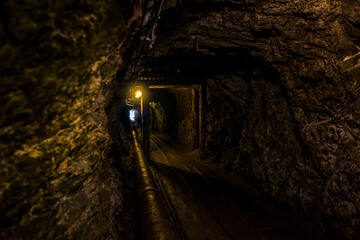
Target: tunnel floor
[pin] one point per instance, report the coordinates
(205, 204)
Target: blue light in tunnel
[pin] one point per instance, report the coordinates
(132, 115)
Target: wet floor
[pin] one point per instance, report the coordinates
(205, 204)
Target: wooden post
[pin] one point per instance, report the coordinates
(202, 120)
(195, 111)
(142, 118)
(146, 120)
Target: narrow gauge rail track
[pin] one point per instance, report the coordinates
(228, 214)
(159, 145)
(169, 204)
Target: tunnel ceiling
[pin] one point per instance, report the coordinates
(193, 67)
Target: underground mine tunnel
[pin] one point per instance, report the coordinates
(179, 119)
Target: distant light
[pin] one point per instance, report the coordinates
(132, 115)
(138, 94)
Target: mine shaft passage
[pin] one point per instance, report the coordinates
(195, 119)
(202, 202)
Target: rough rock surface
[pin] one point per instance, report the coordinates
(171, 114)
(164, 112)
(299, 139)
(184, 116)
(158, 117)
(58, 178)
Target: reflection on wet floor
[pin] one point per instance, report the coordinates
(205, 204)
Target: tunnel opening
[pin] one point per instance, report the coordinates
(163, 108)
(211, 97)
(196, 81)
(133, 115)
(174, 112)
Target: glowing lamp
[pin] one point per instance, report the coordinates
(138, 94)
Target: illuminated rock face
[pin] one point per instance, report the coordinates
(297, 137)
(57, 176)
(158, 117)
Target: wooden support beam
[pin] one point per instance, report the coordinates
(195, 111)
(167, 81)
(145, 120)
(173, 86)
(202, 120)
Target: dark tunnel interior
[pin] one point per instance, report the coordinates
(164, 112)
(180, 120)
(175, 108)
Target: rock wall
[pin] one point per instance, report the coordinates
(158, 117)
(171, 114)
(164, 110)
(299, 141)
(228, 102)
(58, 175)
(185, 116)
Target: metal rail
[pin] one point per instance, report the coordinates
(158, 142)
(169, 205)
